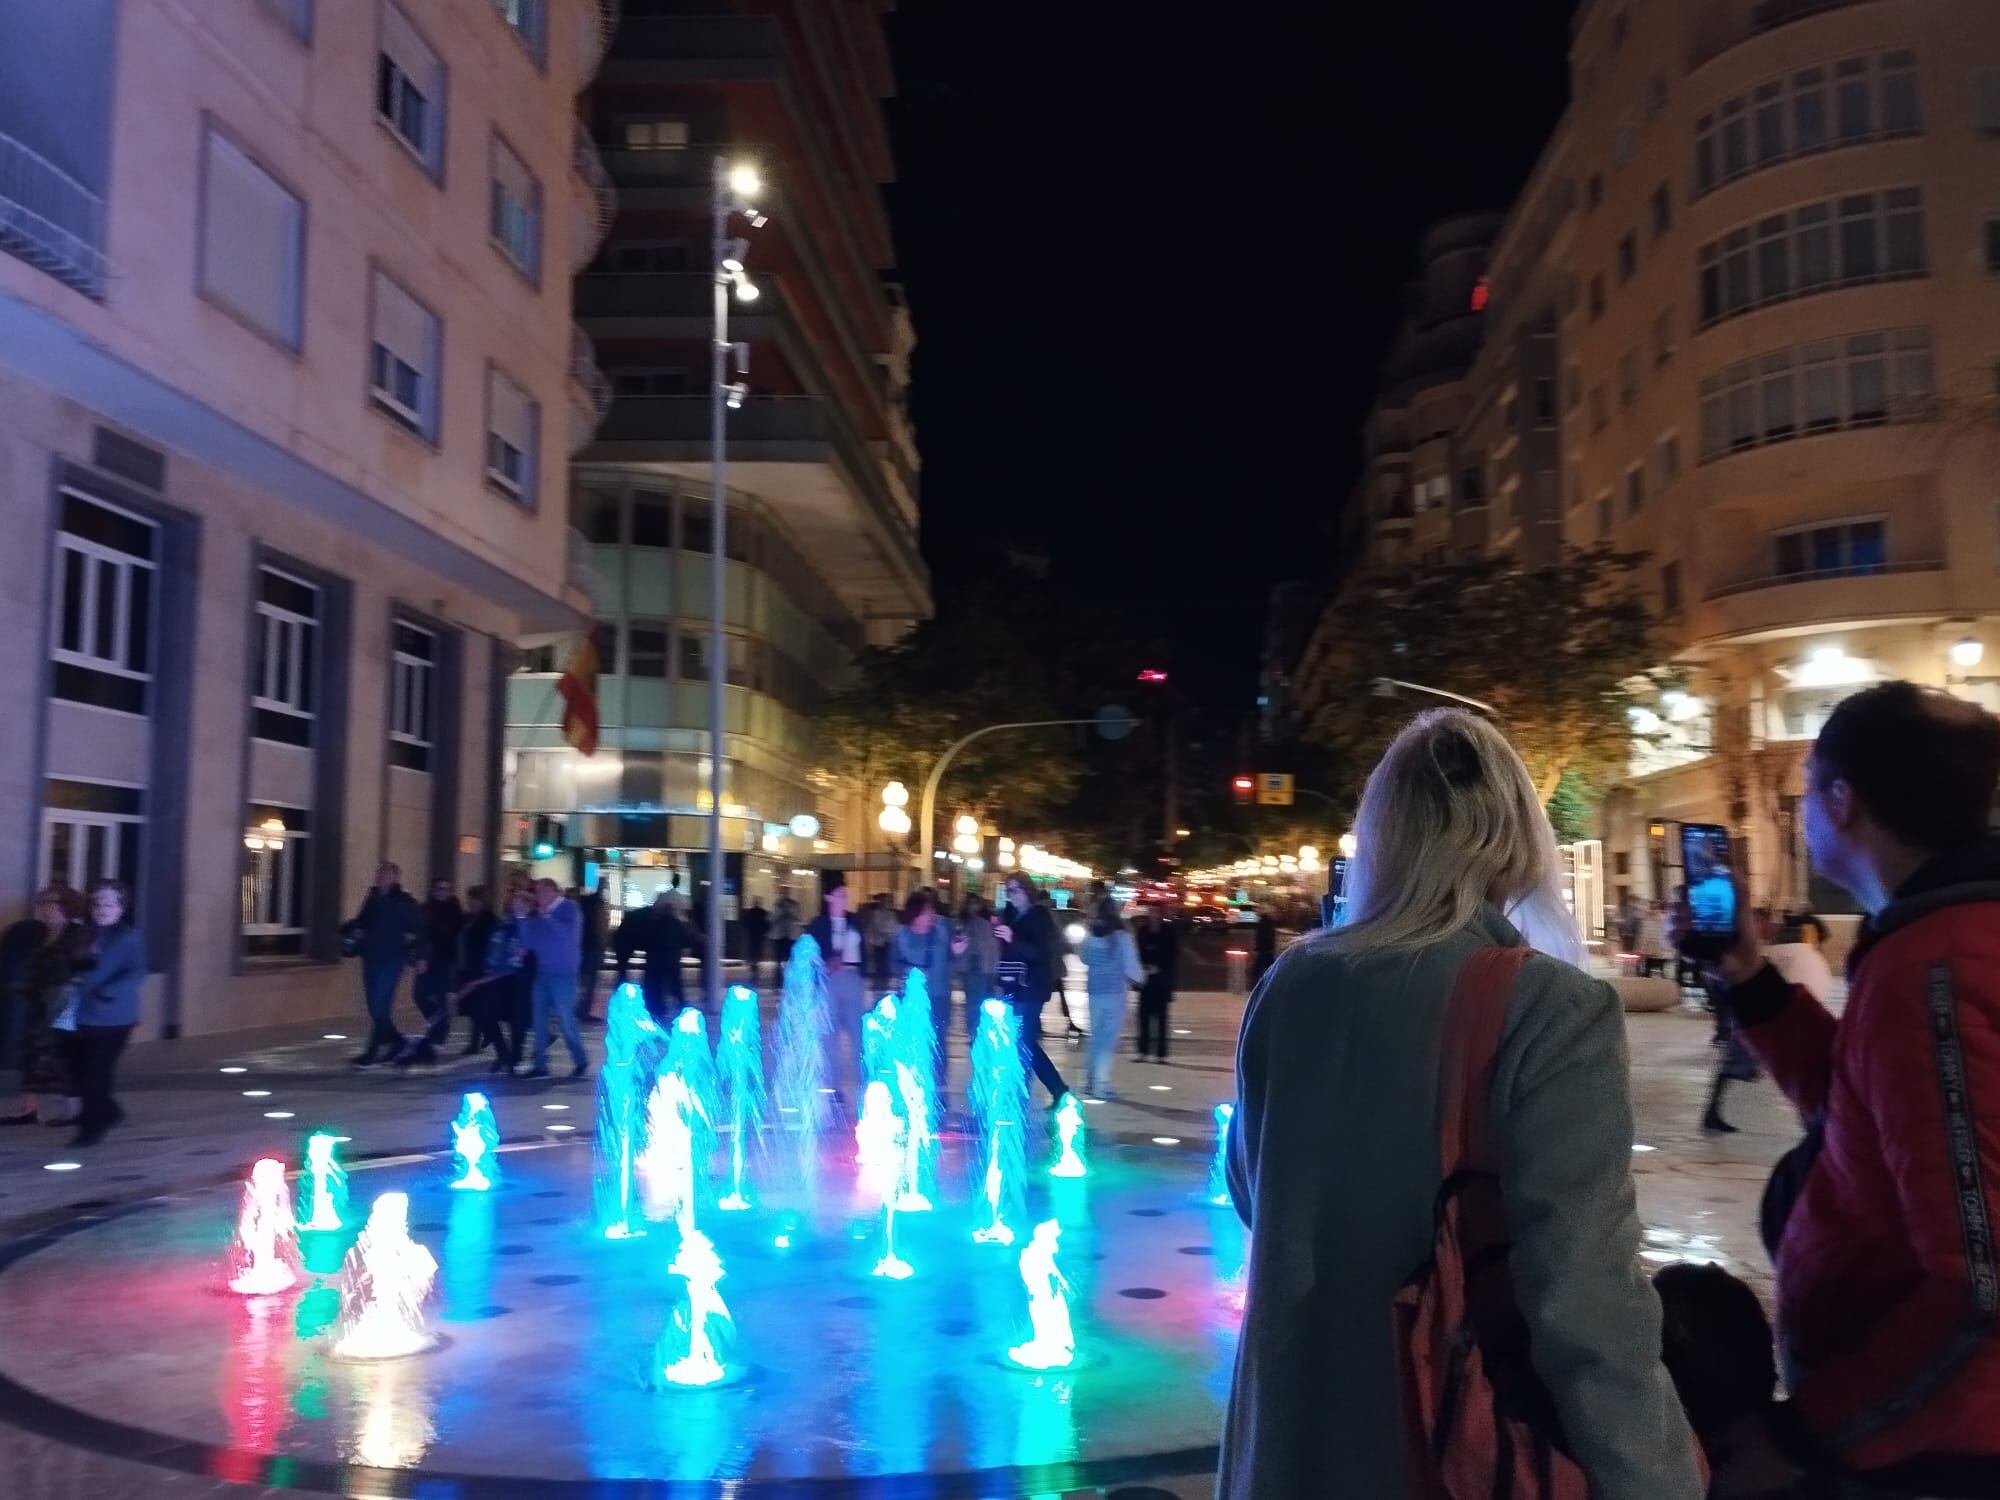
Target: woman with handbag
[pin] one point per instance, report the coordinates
(38, 986)
(1416, 1090)
(107, 1008)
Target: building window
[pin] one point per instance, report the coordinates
(652, 522)
(276, 841)
(1545, 401)
(252, 247)
(1848, 241)
(104, 601)
(404, 357)
(528, 20)
(1593, 190)
(412, 696)
(1656, 96)
(1573, 387)
(656, 135)
(1628, 377)
(1670, 588)
(1471, 485)
(1663, 337)
(1860, 381)
(535, 661)
(1635, 490)
(513, 422)
(1603, 517)
(284, 681)
(671, 381)
(646, 647)
(696, 532)
(1986, 100)
(1628, 257)
(1596, 297)
(1848, 549)
(694, 656)
(296, 16)
(409, 88)
(604, 640)
(1624, 142)
(1667, 461)
(1600, 409)
(1858, 100)
(515, 211)
(1662, 210)
(90, 832)
(1993, 245)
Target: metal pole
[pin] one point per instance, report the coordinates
(718, 520)
(1418, 687)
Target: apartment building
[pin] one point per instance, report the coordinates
(288, 386)
(821, 520)
(1761, 258)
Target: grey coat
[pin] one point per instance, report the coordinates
(1333, 1165)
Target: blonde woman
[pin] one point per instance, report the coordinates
(1334, 1150)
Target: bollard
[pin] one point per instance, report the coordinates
(1239, 970)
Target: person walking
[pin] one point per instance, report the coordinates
(1111, 969)
(1029, 971)
(38, 986)
(436, 973)
(978, 962)
(552, 934)
(106, 1004)
(840, 949)
(927, 945)
(384, 935)
(1264, 945)
(784, 926)
(1881, 1222)
(595, 927)
(1160, 957)
(878, 931)
(496, 996)
(754, 923)
(665, 938)
(469, 964)
(1346, 1066)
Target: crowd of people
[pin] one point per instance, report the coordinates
(70, 974)
(1432, 1146)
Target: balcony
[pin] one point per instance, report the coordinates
(598, 20)
(768, 429)
(580, 575)
(684, 47)
(589, 391)
(596, 198)
(669, 296)
(50, 220)
(1780, 604)
(1729, 24)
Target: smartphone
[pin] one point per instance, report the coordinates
(1710, 871)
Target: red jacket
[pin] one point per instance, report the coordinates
(1888, 1289)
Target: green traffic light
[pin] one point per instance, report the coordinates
(545, 851)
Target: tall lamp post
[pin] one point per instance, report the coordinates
(736, 188)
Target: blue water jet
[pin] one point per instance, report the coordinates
(475, 1142)
(322, 1185)
(1218, 1166)
(739, 1058)
(1000, 1104)
(804, 1024)
(633, 1045)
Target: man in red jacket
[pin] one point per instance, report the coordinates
(1882, 1225)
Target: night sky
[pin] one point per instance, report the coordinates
(1156, 252)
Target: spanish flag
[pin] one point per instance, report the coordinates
(578, 687)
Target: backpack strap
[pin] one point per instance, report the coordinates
(1472, 1027)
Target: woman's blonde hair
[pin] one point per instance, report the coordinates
(1450, 823)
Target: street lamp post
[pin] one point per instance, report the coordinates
(927, 850)
(736, 185)
(1386, 687)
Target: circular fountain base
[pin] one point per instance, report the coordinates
(545, 1382)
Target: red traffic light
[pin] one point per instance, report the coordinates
(1152, 674)
(1243, 787)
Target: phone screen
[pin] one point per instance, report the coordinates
(1711, 888)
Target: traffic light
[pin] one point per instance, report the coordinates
(548, 839)
(1244, 788)
(545, 850)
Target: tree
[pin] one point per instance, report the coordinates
(1549, 648)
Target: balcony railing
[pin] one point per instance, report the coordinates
(701, 46)
(603, 199)
(581, 576)
(1728, 24)
(1859, 570)
(590, 394)
(599, 20)
(51, 220)
(668, 294)
(683, 419)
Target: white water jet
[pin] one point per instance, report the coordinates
(879, 1138)
(384, 1283)
(267, 1240)
(1052, 1341)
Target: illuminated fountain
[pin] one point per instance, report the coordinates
(919, 1140)
(739, 1058)
(693, 1342)
(323, 1186)
(475, 1142)
(676, 1129)
(1000, 1103)
(1218, 1166)
(804, 1024)
(880, 1137)
(878, 1042)
(917, 1035)
(633, 1043)
(688, 1054)
(1052, 1342)
(384, 1283)
(1069, 1139)
(267, 1240)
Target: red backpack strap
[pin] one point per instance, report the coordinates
(1472, 1030)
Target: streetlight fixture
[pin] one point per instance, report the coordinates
(1348, 844)
(894, 818)
(1967, 651)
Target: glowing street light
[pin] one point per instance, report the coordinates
(1967, 651)
(1348, 844)
(744, 180)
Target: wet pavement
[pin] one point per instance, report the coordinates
(193, 1128)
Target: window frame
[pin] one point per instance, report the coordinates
(96, 557)
(413, 721)
(113, 826)
(302, 637)
(429, 153)
(535, 214)
(294, 869)
(524, 492)
(425, 420)
(293, 341)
